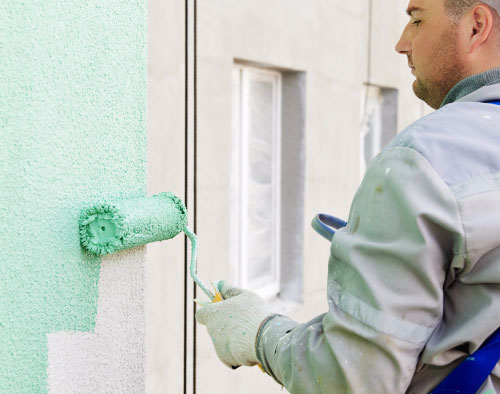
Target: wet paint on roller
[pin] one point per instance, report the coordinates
(73, 130)
(110, 227)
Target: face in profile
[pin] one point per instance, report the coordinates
(431, 41)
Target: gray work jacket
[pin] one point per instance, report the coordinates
(414, 278)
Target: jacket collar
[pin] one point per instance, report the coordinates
(480, 87)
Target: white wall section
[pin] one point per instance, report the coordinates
(111, 359)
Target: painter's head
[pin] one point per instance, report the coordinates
(448, 40)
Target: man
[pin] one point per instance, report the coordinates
(414, 278)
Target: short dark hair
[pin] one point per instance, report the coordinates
(457, 8)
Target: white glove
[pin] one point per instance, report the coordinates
(233, 324)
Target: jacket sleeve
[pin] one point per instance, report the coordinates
(385, 286)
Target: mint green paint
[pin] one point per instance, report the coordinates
(73, 130)
(112, 226)
(193, 268)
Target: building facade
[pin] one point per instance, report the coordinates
(293, 98)
(97, 102)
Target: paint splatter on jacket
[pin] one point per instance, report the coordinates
(414, 278)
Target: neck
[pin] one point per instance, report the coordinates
(471, 84)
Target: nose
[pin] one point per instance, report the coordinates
(404, 44)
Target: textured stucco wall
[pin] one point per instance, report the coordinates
(73, 130)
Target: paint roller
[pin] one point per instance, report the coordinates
(110, 227)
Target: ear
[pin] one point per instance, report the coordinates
(480, 22)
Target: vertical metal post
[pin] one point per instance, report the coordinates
(195, 164)
(186, 156)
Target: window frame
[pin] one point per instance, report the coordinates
(372, 112)
(379, 105)
(241, 168)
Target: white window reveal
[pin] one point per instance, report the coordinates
(379, 121)
(256, 178)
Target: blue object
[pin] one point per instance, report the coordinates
(494, 102)
(471, 373)
(326, 225)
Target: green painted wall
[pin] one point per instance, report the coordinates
(73, 130)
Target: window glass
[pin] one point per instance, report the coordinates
(256, 185)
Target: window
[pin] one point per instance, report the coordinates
(379, 121)
(256, 191)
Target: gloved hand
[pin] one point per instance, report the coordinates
(233, 324)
